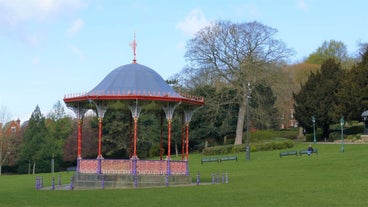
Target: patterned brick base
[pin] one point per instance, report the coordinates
(142, 167)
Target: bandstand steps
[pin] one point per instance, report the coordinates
(95, 181)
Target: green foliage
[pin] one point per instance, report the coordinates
(154, 151)
(354, 130)
(281, 143)
(260, 135)
(329, 50)
(353, 137)
(276, 144)
(335, 135)
(264, 114)
(319, 136)
(37, 145)
(317, 97)
(117, 129)
(352, 95)
(217, 118)
(44, 140)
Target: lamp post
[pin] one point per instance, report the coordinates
(342, 122)
(314, 129)
(247, 150)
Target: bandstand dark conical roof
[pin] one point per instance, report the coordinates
(134, 78)
(133, 82)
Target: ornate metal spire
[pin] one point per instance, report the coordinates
(134, 47)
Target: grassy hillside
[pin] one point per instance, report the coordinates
(331, 178)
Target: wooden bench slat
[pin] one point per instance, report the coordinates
(286, 153)
(209, 159)
(226, 158)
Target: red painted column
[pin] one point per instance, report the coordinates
(187, 139)
(99, 137)
(79, 141)
(135, 136)
(162, 151)
(168, 138)
(182, 143)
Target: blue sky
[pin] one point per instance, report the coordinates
(49, 48)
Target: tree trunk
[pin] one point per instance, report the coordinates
(1, 153)
(1, 161)
(240, 123)
(300, 133)
(176, 150)
(326, 131)
(34, 168)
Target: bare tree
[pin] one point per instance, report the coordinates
(238, 53)
(4, 142)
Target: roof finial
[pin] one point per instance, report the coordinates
(134, 47)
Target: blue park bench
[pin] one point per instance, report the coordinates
(226, 158)
(287, 153)
(209, 159)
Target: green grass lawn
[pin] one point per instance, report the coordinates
(331, 178)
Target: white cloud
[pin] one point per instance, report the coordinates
(193, 22)
(76, 51)
(16, 11)
(31, 39)
(36, 60)
(17, 15)
(303, 5)
(76, 27)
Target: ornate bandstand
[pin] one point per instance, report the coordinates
(132, 87)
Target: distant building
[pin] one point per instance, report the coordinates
(11, 128)
(287, 118)
(10, 138)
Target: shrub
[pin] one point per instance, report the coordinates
(276, 144)
(353, 137)
(357, 129)
(336, 135)
(154, 150)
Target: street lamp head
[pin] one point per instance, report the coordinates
(313, 119)
(342, 121)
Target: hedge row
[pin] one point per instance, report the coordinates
(277, 144)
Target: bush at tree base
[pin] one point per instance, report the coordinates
(276, 144)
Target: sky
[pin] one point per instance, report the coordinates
(51, 48)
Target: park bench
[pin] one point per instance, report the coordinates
(291, 152)
(226, 158)
(209, 159)
(72, 168)
(306, 151)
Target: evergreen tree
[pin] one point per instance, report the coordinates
(352, 98)
(264, 114)
(59, 127)
(317, 97)
(117, 128)
(216, 120)
(37, 147)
